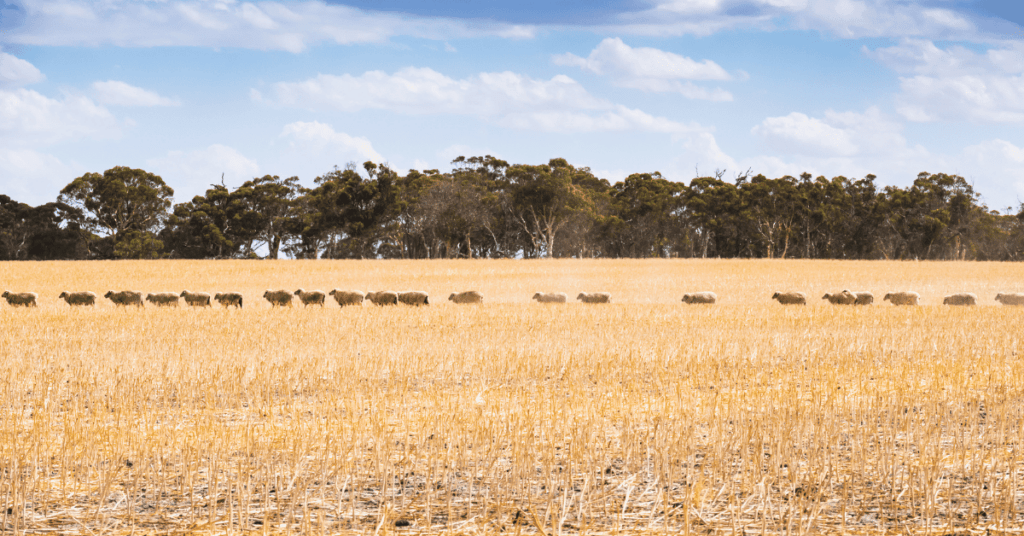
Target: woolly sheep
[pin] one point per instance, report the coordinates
(348, 297)
(227, 299)
(311, 297)
(550, 297)
(470, 296)
(863, 298)
(414, 297)
(594, 297)
(278, 298)
(1010, 298)
(700, 297)
(962, 298)
(27, 299)
(840, 298)
(196, 299)
(383, 297)
(125, 298)
(163, 299)
(902, 298)
(78, 298)
(790, 298)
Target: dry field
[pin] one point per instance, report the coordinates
(645, 415)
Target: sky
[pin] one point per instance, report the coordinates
(201, 91)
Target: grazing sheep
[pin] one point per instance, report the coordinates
(550, 297)
(790, 298)
(163, 299)
(700, 297)
(18, 299)
(594, 297)
(348, 297)
(470, 296)
(414, 297)
(863, 298)
(78, 298)
(278, 298)
(125, 298)
(1010, 298)
(196, 299)
(311, 297)
(962, 298)
(227, 299)
(383, 297)
(902, 298)
(840, 298)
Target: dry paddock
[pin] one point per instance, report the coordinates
(644, 415)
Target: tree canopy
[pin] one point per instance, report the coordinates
(486, 207)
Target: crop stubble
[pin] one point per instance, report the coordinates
(641, 415)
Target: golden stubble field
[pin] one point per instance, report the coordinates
(645, 415)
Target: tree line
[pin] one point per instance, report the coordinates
(485, 207)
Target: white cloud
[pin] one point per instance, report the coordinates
(267, 25)
(557, 105)
(956, 83)
(28, 117)
(650, 69)
(318, 137)
(32, 177)
(838, 134)
(849, 19)
(192, 172)
(119, 93)
(15, 72)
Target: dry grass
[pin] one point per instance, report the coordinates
(643, 415)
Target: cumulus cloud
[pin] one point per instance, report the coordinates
(119, 93)
(517, 101)
(998, 165)
(957, 83)
(318, 137)
(837, 134)
(191, 172)
(16, 72)
(650, 69)
(848, 19)
(28, 117)
(267, 25)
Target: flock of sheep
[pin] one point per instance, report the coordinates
(280, 298)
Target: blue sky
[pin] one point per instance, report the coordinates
(195, 89)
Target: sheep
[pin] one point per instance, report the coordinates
(125, 298)
(78, 298)
(163, 299)
(414, 297)
(383, 297)
(26, 299)
(470, 296)
(594, 297)
(227, 299)
(196, 299)
(962, 298)
(863, 298)
(311, 297)
(700, 297)
(550, 297)
(902, 298)
(790, 298)
(1010, 298)
(840, 298)
(348, 297)
(278, 298)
